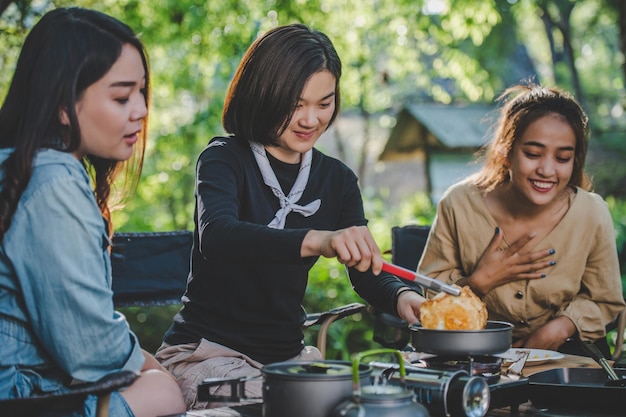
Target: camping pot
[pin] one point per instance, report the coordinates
(496, 337)
(295, 388)
(307, 389)
(379, 400)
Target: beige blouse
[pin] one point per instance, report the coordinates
(584, 285)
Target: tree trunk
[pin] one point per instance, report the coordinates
(548, 25)
(562, 23)
(621, 24)
(362, 163)
(565, 28)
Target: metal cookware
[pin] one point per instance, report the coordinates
(581, 389)
(380, 400)
(496, 337)
(296, 388)
(592, 350)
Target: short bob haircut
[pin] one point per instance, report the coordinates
(523, 104)
(68, 50)
(269, 81)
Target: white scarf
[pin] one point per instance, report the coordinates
(287, 203)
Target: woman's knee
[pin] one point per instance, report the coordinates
(154, 393)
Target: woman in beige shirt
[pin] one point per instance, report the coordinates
(526, 233)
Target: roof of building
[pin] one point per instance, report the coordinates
(438, 126)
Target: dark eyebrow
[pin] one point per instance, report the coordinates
(323, 98)
(124, 84)
(127, 83)
(541, 145)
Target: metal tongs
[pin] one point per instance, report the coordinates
(592, 350)
(428, 282)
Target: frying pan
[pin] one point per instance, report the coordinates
(591, 349)
(580, 389)
(496, 337)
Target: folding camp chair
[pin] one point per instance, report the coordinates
(152, 269)
(407, 245)
(67, 402)
(149, 269)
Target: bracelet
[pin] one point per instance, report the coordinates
(397, 297)
(403, 290)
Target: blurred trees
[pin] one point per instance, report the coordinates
(393, 51)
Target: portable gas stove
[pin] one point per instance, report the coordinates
(488, 367)
(459, 386)
(506, 389)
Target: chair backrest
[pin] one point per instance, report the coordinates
(407, 244)
(150, 268)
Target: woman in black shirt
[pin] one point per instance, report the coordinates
(253, 243)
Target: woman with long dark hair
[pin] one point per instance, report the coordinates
(74, 117)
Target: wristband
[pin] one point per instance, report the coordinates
(403, 290)
(397, 297)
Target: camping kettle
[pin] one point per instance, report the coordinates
(379, 400)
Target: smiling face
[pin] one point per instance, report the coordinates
(310, 119)
(542, 159)
(110, 111)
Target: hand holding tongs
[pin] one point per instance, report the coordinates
(428, 282)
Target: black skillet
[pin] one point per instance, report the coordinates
(613, 380)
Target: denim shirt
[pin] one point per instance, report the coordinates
(57, 320)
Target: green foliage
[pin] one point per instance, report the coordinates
(618, 212)
(150, 323)
(329, 285)
(393, 51)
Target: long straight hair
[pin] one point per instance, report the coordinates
(68, 50)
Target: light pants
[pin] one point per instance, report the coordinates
(191, 363)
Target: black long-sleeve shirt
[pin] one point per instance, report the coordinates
(247, 281)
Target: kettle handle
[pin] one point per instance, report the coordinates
(356, 361)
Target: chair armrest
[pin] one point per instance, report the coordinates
(326, 318)
(66, 399)
(619, 340)
(390, 331)
(336, 314)
(108, 383)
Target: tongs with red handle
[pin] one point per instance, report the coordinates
(428, 282)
